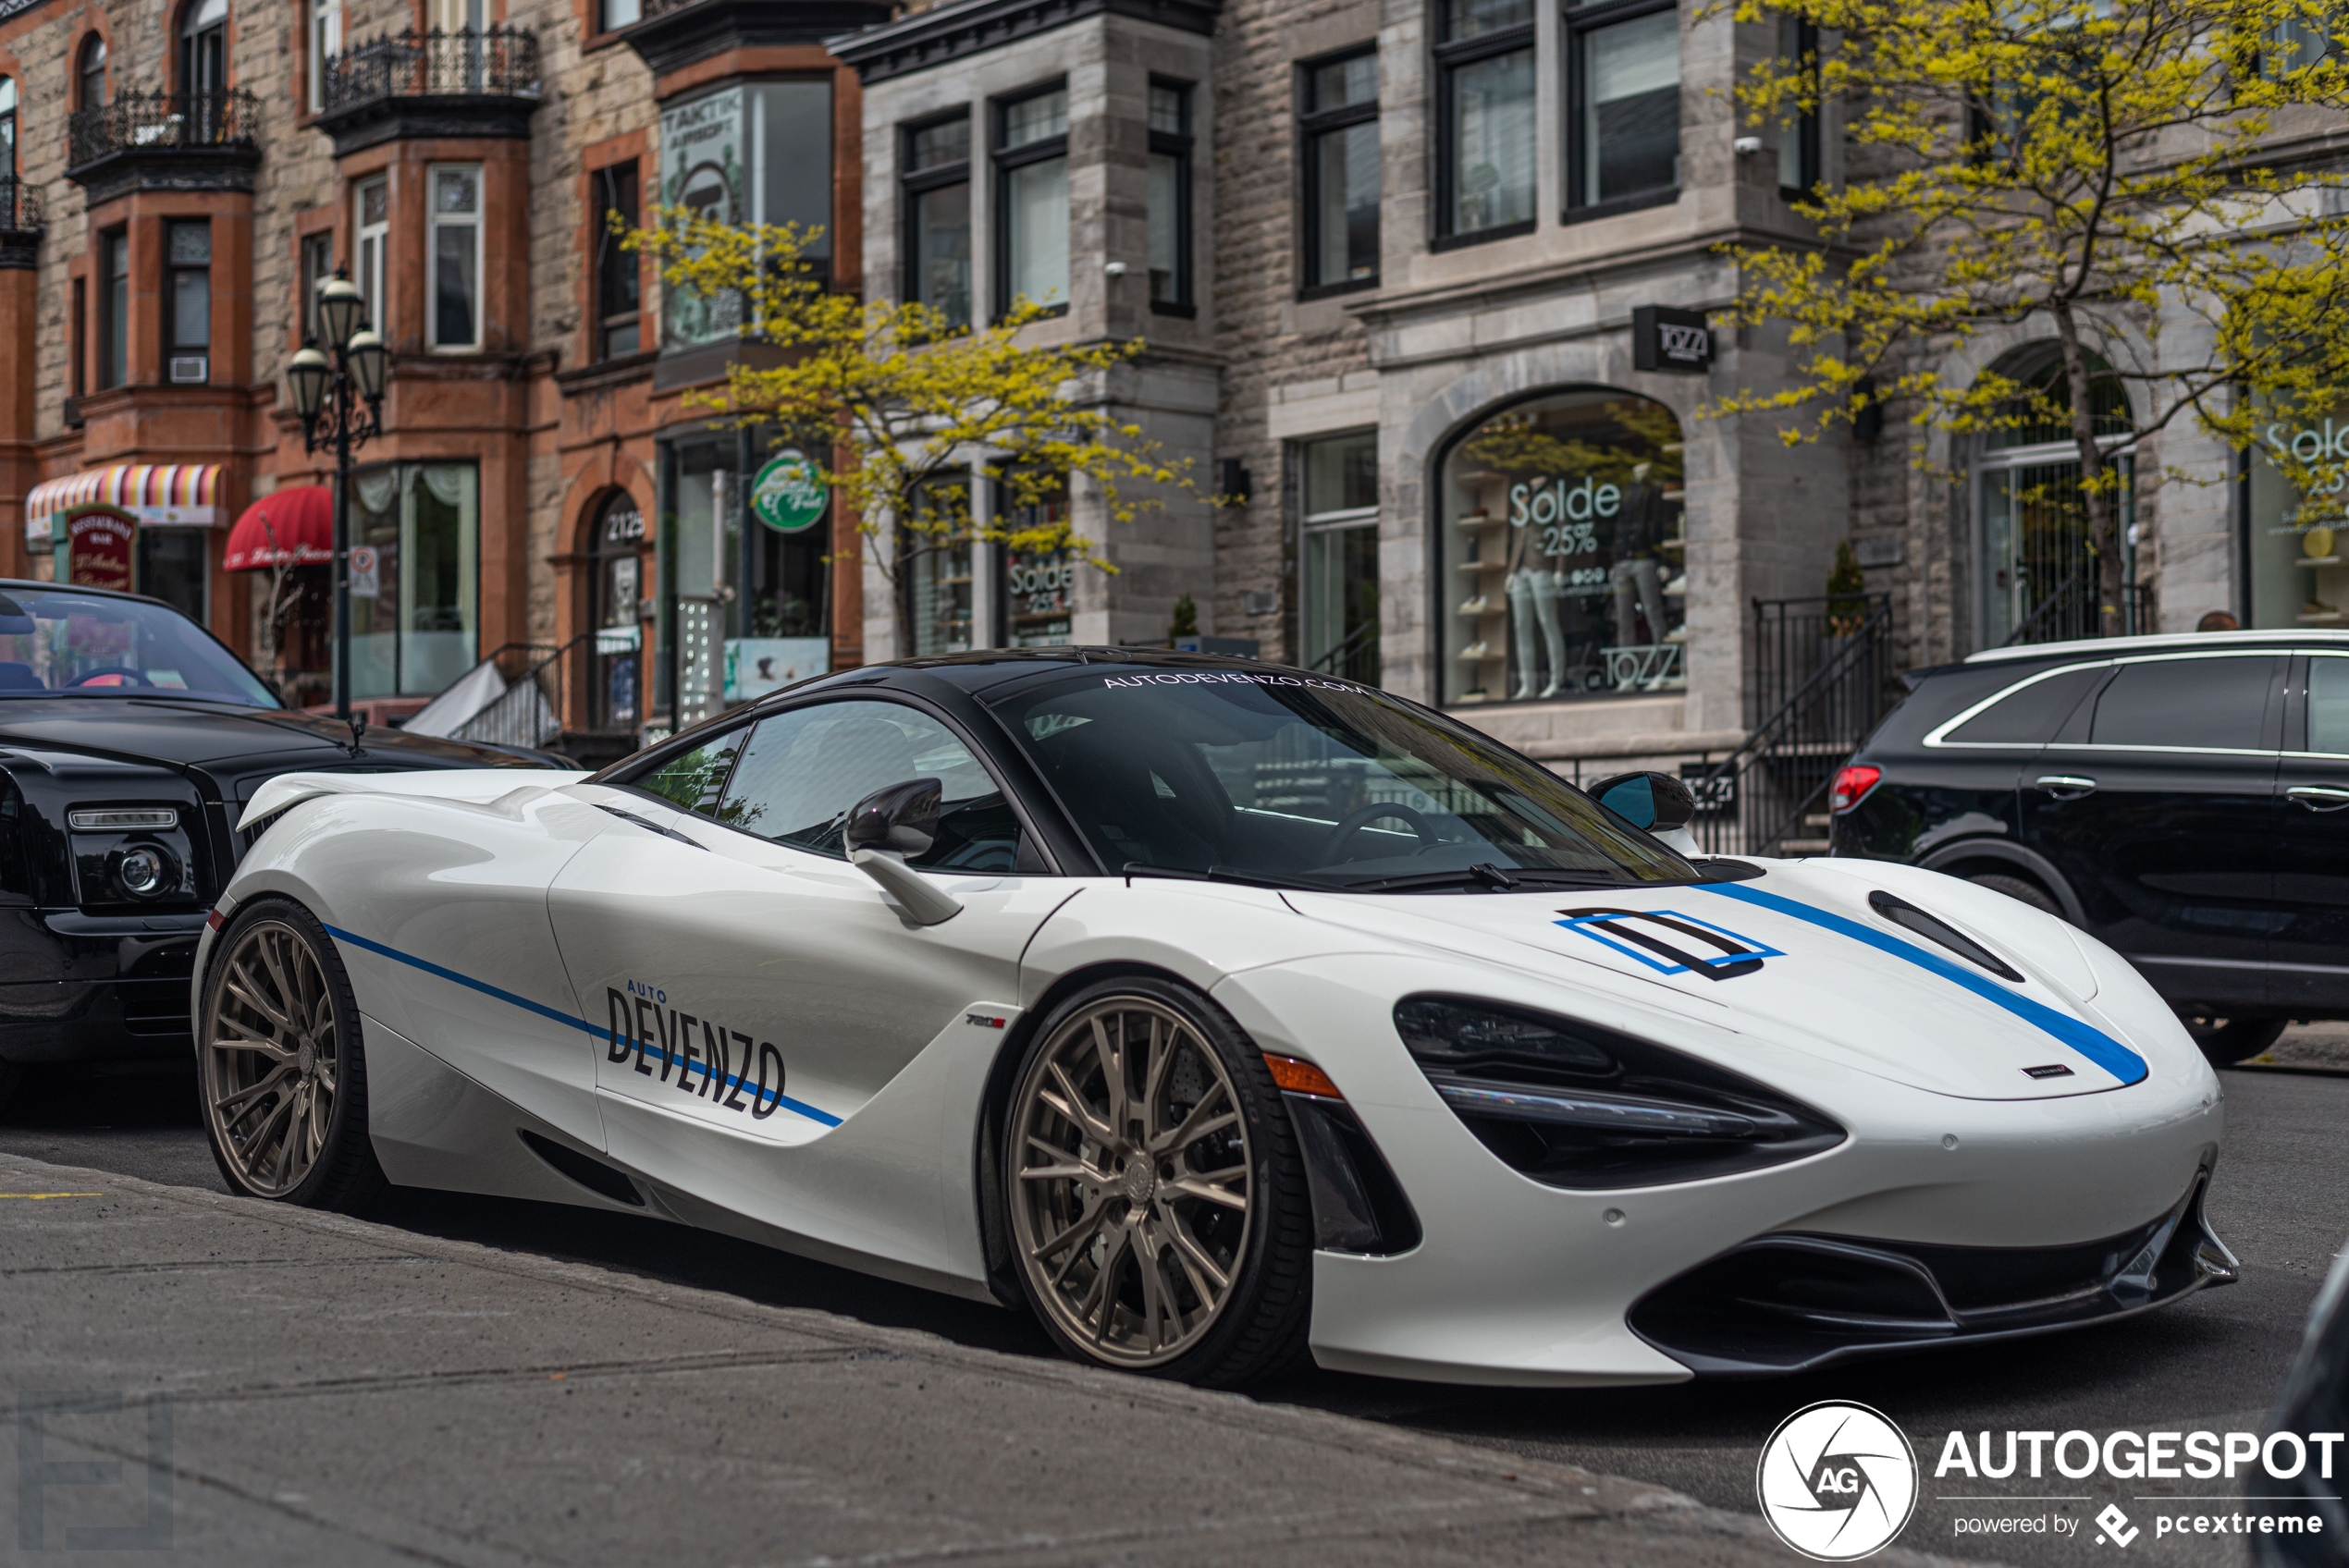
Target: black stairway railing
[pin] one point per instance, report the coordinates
(1769, 796)
(531, 711)
(491, 62)
(2069, 613)
(136, 121)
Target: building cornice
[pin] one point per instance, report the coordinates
(954, 33)
(675, 35)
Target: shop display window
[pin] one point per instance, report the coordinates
(1562, 554)
(413, 618)
(2296, 543)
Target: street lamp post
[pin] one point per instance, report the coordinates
(327, 394)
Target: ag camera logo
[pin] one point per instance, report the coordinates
(1836, 1481)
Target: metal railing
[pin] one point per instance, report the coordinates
(530, 713)
(135, 121)
(1759, 799)
(19, 206)
(2070, 613)
(491, 62)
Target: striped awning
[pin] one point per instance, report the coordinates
(187, 495)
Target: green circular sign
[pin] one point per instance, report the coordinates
(789, 493)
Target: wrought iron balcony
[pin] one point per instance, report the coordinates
(469, 81)
(20, 225)
(166, 140)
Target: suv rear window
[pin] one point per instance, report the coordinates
(2214, 702)
(2028, 714)
(2329, 705)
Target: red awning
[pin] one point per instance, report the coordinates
(293, 527)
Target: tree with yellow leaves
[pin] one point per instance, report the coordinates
(915, 401)
(2109, 170)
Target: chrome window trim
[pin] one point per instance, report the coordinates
(1937, 739)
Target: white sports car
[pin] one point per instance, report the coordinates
(1214, 1011)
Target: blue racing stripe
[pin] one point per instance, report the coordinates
(734, 1080)
(2092, 1043)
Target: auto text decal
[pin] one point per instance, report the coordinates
(765, 1093)
(2093, 1043)
(644, 1025)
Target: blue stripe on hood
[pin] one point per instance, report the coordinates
(2092, 1043)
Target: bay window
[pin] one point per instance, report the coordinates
(456, 257)
(371, 237)
(188, 300)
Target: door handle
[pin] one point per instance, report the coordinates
(2067, 785)
(2318, 797)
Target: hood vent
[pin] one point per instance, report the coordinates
(1909, 917)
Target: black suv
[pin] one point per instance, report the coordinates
(2185, 799)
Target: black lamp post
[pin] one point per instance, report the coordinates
(327, 394)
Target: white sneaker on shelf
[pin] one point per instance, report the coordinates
(1678, 634)
(1678, 587)
(1478, 605)
(1475, 650)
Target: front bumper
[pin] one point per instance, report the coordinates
(96, 988)
(1792, 1303)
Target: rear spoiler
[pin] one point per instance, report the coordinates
(478, 786)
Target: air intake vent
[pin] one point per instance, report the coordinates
(594, 1175)
(190, 368)
(1908, 917)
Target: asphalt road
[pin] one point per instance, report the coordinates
(2210, 1362)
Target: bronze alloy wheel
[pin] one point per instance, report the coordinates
(273, 1057)
(1132, 1167)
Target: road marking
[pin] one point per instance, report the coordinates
(38, 1197)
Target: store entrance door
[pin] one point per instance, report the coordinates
(615, 666)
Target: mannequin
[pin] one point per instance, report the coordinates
(1638, 571)
(1533, 591)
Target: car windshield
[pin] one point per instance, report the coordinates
(56, 639)
(1300, 779)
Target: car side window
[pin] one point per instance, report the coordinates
(2329, 705)
(696, 779)
(2029, 714)
(802, 771)
(2212, 702)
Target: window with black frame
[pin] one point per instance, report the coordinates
(1799, 133)
(619, 287)
(1169, 198)
(114, 307)
(1623, 112)
(1031, 203)
(8, 132)
(317, 266)
(1484, 87)
(937, 216)
(188, 298)
(1338, 596)
(1338, 130)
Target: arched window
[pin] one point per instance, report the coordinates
(203, 47)
(2037, 579)
(7, 128)
(1564, 556)
(90, 76)
(615, 592)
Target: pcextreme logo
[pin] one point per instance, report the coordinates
(1836, 1481)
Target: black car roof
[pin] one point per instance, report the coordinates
(34, 585)
(984, 669)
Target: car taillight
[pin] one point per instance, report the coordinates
(1851, 784)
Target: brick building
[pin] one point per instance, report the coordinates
(186, 175)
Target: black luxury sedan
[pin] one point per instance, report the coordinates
(129, 741)
(2185, 799)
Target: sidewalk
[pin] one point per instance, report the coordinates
(312, 1390)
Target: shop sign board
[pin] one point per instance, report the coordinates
(98, 550)
(790, 493)
(1670, 339)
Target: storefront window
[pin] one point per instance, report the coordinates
(936, 574)
(1339, 594)
(755, 153)
(413, 627)
(1039, 586)
(1564, 568)
(2296, 543)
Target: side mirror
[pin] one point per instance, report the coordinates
(1653, 803)
(884, 829)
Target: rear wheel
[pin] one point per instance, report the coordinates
(2020, 889)
(2226, 1041)
(1158, 1203)
(284, 1076)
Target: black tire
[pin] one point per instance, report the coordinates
(341, 1173)
(2020, 889)
(2226, 1041)
(1257, 1328)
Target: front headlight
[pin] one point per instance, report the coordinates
(1575, 1105)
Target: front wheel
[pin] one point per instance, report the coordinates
(1156, 1197)
(283, 1075)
